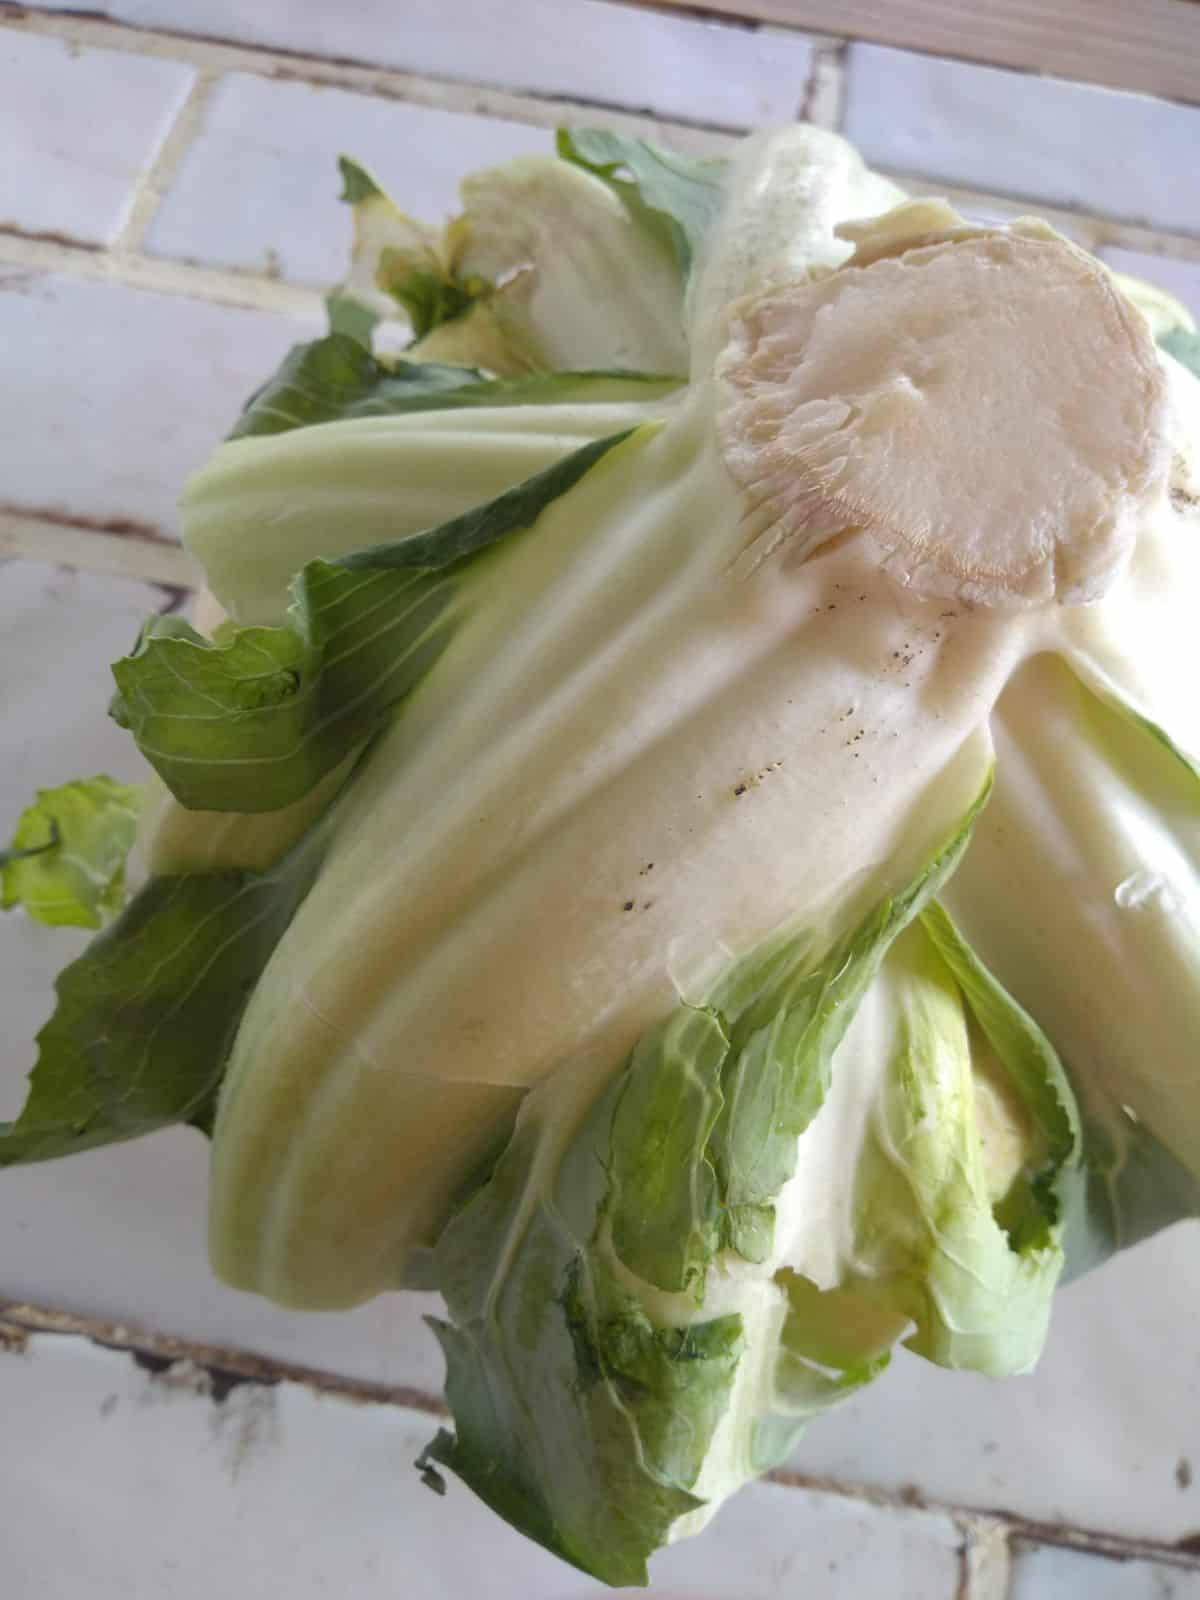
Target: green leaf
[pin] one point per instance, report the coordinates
(398, 262)
(357, 183)
(679, 195)
(430, 298)
(1184, 346)
(665, 1204)
(351, 318)
(974, 1269)
(146, 1016)
(784, 1041)
(1079, 892)
(593, 1408)
(252, 719)
(66, 864)
(714, 1099)
(337, 377)
(1134, 1187)
(950, 1164)
(1030, 1059)
(26, 853)
(580, 1418)
(832, 1345)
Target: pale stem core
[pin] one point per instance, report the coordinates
(982, 404)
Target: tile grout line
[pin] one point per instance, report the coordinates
(983, 1521)
(152, 182)
(824, 96)
(20, 1321)
(110, 550)
(221, 285)
(985, 1558)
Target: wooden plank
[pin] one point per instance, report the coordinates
(1147, 45)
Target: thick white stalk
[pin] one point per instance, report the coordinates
(629, 767)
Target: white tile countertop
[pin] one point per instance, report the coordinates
(167, 219)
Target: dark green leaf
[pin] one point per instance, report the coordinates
(578, 1418)
(430, 298)
(783, 1043)
(147, 1015)
(680, 196)
(251, 720)
(1134, 1187)
(338, 377)
(350, 318)
(357, 184)
(712, 1101)
(585, 1408)
(8, 857)
(430, 1476)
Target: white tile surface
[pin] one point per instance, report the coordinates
(120, 1233)
(1180, 278)
(1050, 1572)
(59, 629)
(610, 54)
(128, 1486)
(1118, 155)
(259, 187)
(78, 127)
(113, 395)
